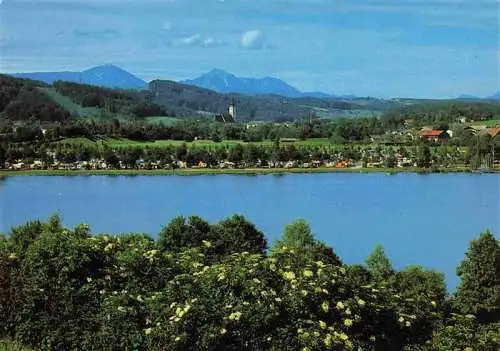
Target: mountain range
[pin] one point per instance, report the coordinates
(224, 82)
(217, 80)
(495, 96)
(108, 75)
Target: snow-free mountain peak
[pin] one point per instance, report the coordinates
(224, 82)
(107, 75)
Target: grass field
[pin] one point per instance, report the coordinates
(68, 104)
(492, 123)
(332, 114)
(168, 121)
(488, 123)
(122, 142)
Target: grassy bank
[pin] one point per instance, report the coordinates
(247, 171)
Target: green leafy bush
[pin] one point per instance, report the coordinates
(209, 286)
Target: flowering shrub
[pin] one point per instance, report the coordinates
(66, 289)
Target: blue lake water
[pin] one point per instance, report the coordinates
(419, 219)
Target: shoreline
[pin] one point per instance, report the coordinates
(234, 171)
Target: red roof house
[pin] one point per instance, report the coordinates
(434, 134)
(494, 131)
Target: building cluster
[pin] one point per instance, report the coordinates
(365, 158)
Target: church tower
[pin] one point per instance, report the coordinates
(232, 109)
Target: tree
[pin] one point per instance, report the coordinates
(231, 235)
(379, 265)
(479, 290)
(424, 156)
(421, 286)
(236, 154)
(237, 234)
(391, 161)
(298, 237)
(182, 233)
(111, 159)
(181, 152)
(3, 156)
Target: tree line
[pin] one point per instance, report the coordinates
(440, 114)
(204, 286)
(241, 155)
(340, 131)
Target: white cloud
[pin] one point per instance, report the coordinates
(211, 42)
(252, 39)
(191, 40)
(196, 40)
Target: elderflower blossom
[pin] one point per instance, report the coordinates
(289, 275)
(223, 331)
(320, 264)
(325, 306)
(108, 247)
(235, 316)
(307, 273)
(340, 305)
(148, 331)
(322, 324)
(328, 340)
(348, 322)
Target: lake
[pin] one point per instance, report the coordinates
(419, 219)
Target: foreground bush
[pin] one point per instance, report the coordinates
(193, 289)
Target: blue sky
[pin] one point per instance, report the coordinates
(434, 49)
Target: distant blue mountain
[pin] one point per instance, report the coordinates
(468, 97)
(495, 96)
(316, 94)
(109, 76)
(223, 82)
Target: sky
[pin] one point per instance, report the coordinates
(396, 48)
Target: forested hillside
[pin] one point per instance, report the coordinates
(441, 112)
(187, 98)
(20, 99)
(23, 99)
(175, 100)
